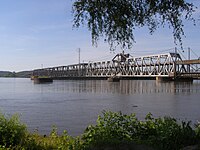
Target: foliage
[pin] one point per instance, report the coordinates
(161, 133)
(52, 142)
(12, 131)
(197, 130)
(165, 133)
(113, 130)
(115, 20)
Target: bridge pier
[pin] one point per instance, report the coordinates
(164, 78)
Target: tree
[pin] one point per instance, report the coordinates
(115, 20)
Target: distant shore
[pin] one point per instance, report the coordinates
(21, 74)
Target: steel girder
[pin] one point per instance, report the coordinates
(145, 66)
(163, 65)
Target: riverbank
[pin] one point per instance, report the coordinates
(21, 74)
(112, 131)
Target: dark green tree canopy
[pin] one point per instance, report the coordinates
(115, 20)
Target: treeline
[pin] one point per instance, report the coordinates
(22, 74)
(113, 131)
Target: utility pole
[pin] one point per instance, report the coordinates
(79, 55)
(188, 59)
(188, 53)
(175, 50)
(79, 60)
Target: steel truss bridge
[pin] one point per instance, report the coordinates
(168, 65)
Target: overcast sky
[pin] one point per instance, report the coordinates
(35, 33)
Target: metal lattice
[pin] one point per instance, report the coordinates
(122, 65)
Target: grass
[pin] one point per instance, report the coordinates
(112, 131)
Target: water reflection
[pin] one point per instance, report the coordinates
(127, 87)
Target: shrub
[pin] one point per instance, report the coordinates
(52, 142)
(12, 131)
(162, 133)
(166, 133)
(113, 130)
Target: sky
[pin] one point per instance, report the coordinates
(39, 33)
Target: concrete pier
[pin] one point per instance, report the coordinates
(164, 79)
(42, 80)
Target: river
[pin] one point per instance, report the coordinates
(73, 104)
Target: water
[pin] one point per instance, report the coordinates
(72, 105)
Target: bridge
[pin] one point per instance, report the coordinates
(161, 66)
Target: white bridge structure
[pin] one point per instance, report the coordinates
(169, 65)
(122, 65)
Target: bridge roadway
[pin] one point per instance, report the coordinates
(169, 65)
(188, 62)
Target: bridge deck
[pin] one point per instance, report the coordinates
(188, 62)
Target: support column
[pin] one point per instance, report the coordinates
(160, 79)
